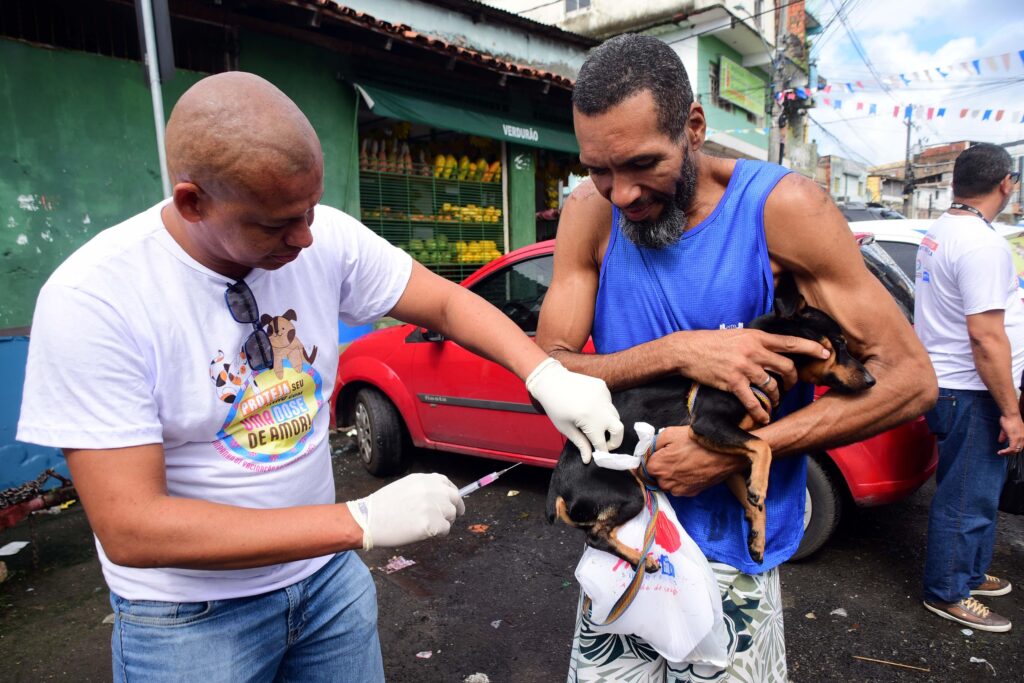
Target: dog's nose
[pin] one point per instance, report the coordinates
(869, 379)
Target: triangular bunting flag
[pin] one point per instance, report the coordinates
(976, 63)
(896, 111)
(974, 113)
(1021, 53)
(872, 110)
(906, 81)
(860, 106)
(909, 112)
(944, 74)
(986, 115)
(963, 113)
(941, 112)
(849, 87)
(991, 62)
(966, 68)
(931, 110)
(861, 85)
(999, 115)
(928, 75)
(1006, 61)
(838, 104)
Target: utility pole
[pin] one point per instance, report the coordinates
(908, 176)
(776, 135)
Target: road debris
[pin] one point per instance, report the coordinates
(810, 615)
(477, 678)
(479, 528)
(888, 663)
(3, 572)
(350, 432)
(397, 563)
(839, 612)
(426, 654)
(496, 623)
(512, 492)
(12, 548)
(109, 619)
(967, 632)
(979, 660)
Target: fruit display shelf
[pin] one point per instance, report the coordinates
(452, 226)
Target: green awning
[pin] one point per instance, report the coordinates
(408, 107)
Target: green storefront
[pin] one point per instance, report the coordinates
(79, 144)
(456, 181)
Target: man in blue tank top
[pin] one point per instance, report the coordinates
(663, 256)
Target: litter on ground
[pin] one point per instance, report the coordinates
(479, 528)
(979, 660)
(476, 678)
(512, 492)
(496, 623)
(13, 548)
(396, 563)
(839, 612)
(426, 654)
(810, 615)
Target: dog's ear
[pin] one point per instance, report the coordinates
(290, 315)
(265, 320)
(788, 299)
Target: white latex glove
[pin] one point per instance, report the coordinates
(580, 406)
(414, 508)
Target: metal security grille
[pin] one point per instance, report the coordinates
(451, 226)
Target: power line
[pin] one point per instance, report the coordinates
(842, 145)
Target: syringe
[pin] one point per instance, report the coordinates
(484, 481)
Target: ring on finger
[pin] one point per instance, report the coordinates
(765, 383)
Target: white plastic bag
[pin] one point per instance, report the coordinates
(678, 609)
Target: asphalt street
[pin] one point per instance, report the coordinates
(497, 596)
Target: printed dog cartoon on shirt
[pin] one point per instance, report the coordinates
(285, 342)
(271, 416)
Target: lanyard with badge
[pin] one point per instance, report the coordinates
(970, 209)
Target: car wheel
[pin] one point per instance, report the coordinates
(380, 434)
(822, 511)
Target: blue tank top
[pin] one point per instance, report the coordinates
(716, 276)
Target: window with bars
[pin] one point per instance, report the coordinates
(576, 5)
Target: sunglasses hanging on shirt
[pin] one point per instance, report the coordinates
(242, 304)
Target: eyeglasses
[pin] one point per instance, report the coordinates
(1014, 177)
(242, 304)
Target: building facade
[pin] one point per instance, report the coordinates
(845, 180)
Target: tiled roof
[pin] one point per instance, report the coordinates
(409, 35)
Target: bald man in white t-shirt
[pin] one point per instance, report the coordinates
(184, 361)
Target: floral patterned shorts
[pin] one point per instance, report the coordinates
(752, 609)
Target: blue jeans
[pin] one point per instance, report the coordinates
(323, 628)
(962, 521)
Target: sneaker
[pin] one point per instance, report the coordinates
(993, 585)
(970, 612)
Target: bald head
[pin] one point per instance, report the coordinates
(234, 132)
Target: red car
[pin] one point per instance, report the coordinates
(406, 386)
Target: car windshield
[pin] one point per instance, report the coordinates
(890, 274)
(518, 290)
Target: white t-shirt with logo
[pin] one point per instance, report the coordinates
(963, 268)
(132, 343)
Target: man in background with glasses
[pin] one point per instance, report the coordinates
(968, 314)
(184, 360)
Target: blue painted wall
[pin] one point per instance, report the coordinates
(20, 462)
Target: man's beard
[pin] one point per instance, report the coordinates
(669, 226)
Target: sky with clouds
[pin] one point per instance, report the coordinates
(907, 36)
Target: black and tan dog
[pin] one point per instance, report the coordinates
(599, 500)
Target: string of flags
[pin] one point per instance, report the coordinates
(831, 94)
